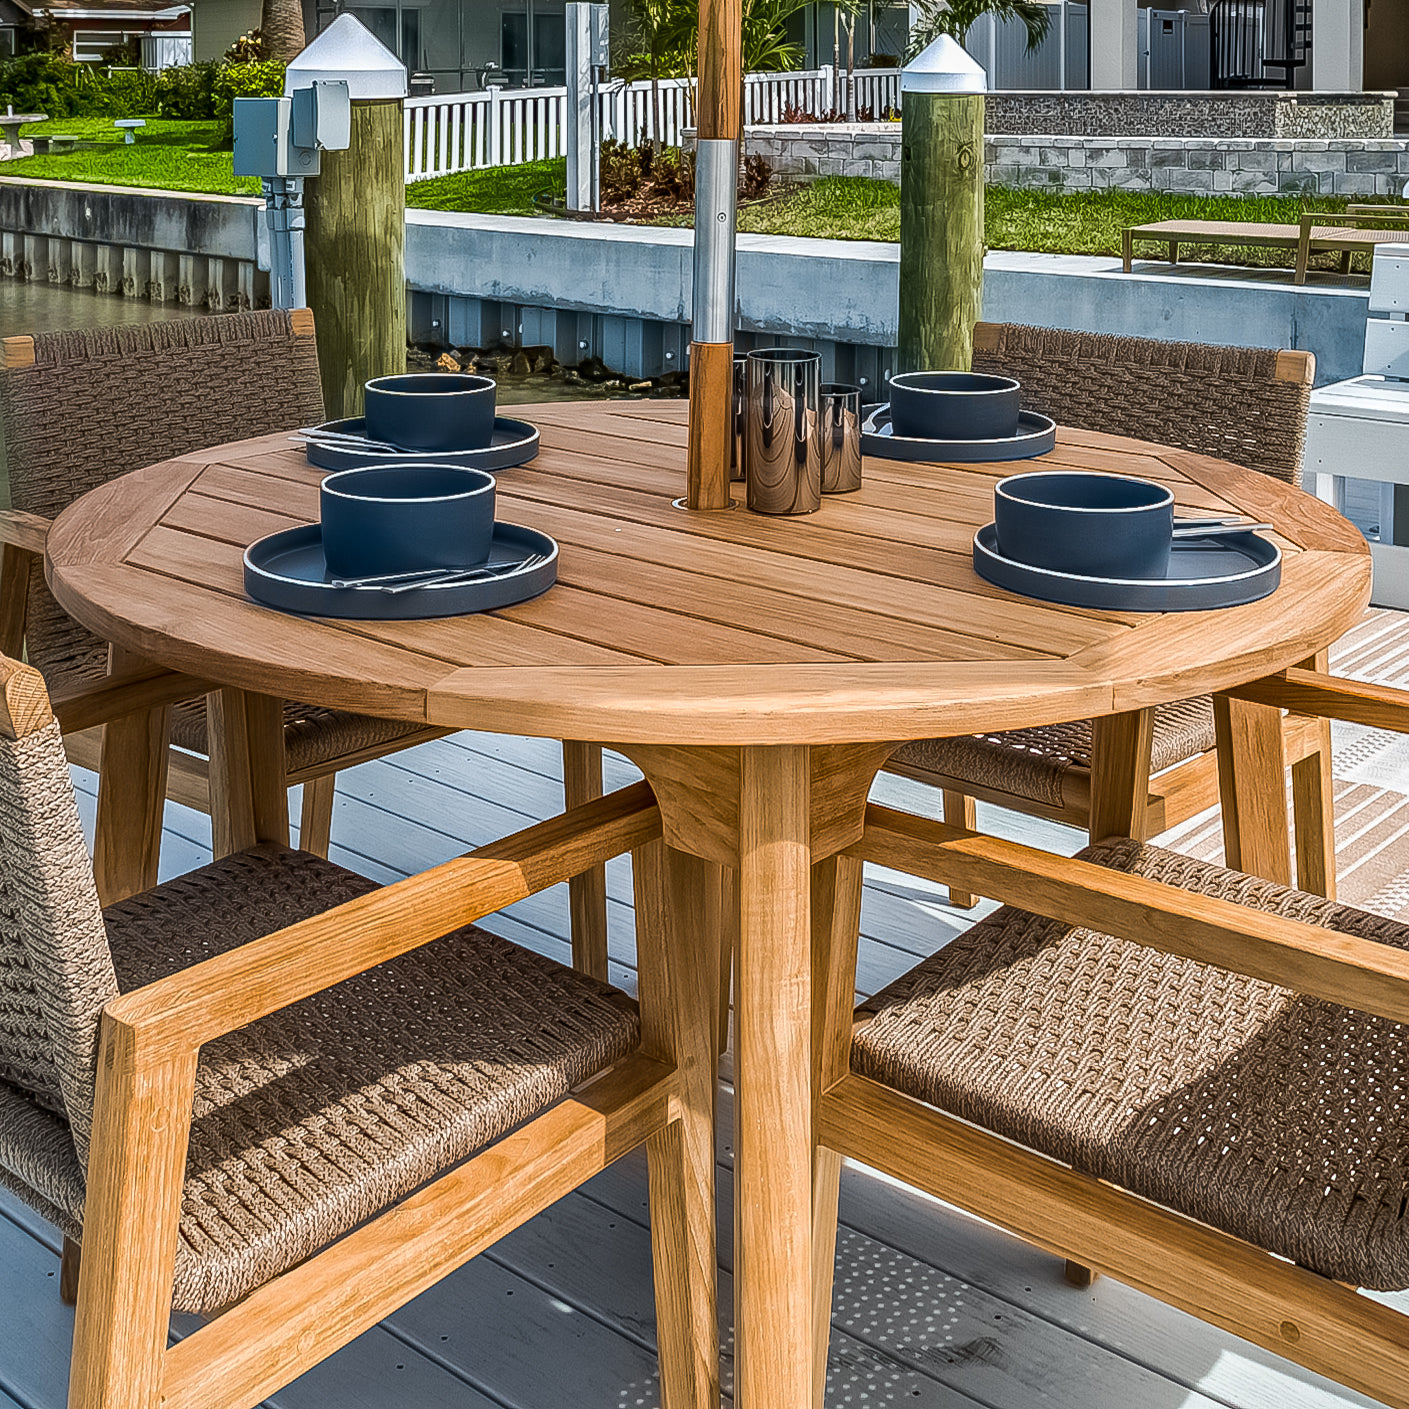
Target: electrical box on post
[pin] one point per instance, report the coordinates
(322, 117)
(599, 49)
(264, 143)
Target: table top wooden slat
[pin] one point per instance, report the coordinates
(863, 622)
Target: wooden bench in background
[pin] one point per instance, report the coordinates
(1360, 227)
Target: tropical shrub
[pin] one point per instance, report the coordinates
(261, 79)
(187, 92)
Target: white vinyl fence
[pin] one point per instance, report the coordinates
(507, 127)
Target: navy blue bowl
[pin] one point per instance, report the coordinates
(403, 518)
(432, 410)
(1084, 522)
(954, 406)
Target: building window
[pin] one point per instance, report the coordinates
(93, 46)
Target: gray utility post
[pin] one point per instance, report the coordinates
(278, 140)
(941, 208)
(587, 57)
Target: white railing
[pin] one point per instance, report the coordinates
(163, 50)
(507, 127)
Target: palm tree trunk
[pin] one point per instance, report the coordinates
(282, 24)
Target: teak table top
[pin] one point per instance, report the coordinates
(862, 622)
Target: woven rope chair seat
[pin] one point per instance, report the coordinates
(1279, 1118)
(312, 735)
(1035, 763)
(314, 1119)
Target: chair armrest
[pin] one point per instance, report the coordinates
(175, 1015)
(1344, 969)
(22, 530)
(116, 696)
(1330, 696)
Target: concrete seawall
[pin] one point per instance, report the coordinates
(623, 293)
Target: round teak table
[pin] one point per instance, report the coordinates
(758, 671)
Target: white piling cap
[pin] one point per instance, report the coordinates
(348, 51)
(943, 67)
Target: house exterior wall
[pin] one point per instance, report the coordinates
(217, 24)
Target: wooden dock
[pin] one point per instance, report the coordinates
(932, 1308)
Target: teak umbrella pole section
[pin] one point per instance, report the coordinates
(941, 230)
(356, 257)
(718, 109)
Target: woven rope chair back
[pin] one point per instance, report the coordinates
(56, 971)
(1227, 402)
(100, 402)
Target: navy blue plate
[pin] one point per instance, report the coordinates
(1224, 571)
(287, 570)
(514, 443)
(1036, 436)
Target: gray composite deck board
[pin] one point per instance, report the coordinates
(932, 1308)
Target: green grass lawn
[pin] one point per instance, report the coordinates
(502, 190)
(168, 156)
(177, 156)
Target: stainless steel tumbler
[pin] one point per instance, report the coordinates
(736, 425)
(782, 435)
(841, 438)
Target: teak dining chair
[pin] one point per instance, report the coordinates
(274, 1090)
(1244, 405)
(79, 409)
(1192, 1080)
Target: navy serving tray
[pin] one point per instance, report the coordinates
(286, 570)
(1036, 436)
(514, 443)
(1204, 573)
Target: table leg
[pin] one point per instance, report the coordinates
(1252, 788)
(249, 793)
(773, 1064)
(131, 796)
(678, 902)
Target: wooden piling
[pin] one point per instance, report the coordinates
(356, 257)
(941, 230)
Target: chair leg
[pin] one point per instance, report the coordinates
(587, 893)
(728, 946)
(1313, 818)
(141, 1125)
(315, 820)
(70, 1262)
(960, 811)
(836, 924)
(1078, 1276)
(131, 785)
(678, 903)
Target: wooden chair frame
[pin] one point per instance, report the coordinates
(662, 1095)
(1317, 1322)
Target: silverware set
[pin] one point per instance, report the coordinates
(1207, 528)
(395, 583)
(344, 440)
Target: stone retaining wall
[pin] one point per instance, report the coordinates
(1371, 166)
(1221, 114)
